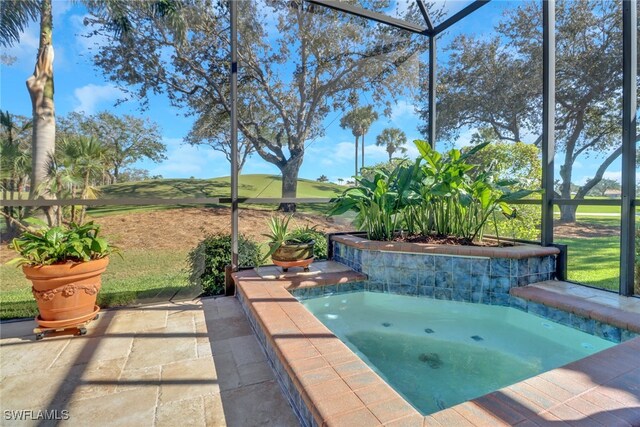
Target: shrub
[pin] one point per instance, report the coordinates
(525, 225)
(207, 261)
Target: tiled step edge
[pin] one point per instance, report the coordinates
(581, 307)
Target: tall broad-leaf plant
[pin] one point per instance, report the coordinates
(379, 201)
(436, 195)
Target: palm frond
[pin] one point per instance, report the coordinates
(15, 16)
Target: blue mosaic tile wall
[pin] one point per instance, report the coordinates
(286, 384)
(470, 279)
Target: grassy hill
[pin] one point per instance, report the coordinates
(257, 185)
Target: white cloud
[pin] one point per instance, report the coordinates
(60, 8)
(185, 160)
(374, 155)
(256, 164)
(412, 151)
(402, 110)
(615, 175)
(341, 152)
(91, 96)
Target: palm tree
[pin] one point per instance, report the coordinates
(15, 17)
(84, 162)
(15, 156)
(15, 164)
(359, 120)
(394, 139)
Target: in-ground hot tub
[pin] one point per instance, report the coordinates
(327, 384)
(441, 353)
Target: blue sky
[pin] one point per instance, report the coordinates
(81, 87)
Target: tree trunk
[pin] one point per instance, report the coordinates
(356, 169)
(83, 208)
(568, 213)
(40, 87)
(290, 181)
(362, 158)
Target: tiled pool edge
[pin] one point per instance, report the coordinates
(288, 389)
(341, 366)
(486, 409)
(605, 322)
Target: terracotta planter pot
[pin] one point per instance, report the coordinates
(66, 293)
(294, 252)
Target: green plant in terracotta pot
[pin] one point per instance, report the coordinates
(290, 248)
(64, 264)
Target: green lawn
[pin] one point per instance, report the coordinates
(249, 186)
(594, 209)
(140, 277)
(594, 261)
(612, 221)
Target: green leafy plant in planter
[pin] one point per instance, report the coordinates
(457, 202)
(41, 245)
(435, 195)
(64, 264)
(207, 261)
(288, 248)
(380, 200)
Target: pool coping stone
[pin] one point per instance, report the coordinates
(518, 251)
(620, 317)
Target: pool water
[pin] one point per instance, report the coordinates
(440, 353)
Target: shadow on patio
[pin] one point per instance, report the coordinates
(191, 363)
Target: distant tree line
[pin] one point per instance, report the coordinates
(90, 151)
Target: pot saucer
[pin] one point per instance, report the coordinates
(68, 322)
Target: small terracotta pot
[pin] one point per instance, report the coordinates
(66, 293)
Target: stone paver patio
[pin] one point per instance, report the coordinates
(191, 363)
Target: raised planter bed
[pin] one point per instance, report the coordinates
(478, 274)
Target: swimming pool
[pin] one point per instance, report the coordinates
(440, 353)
